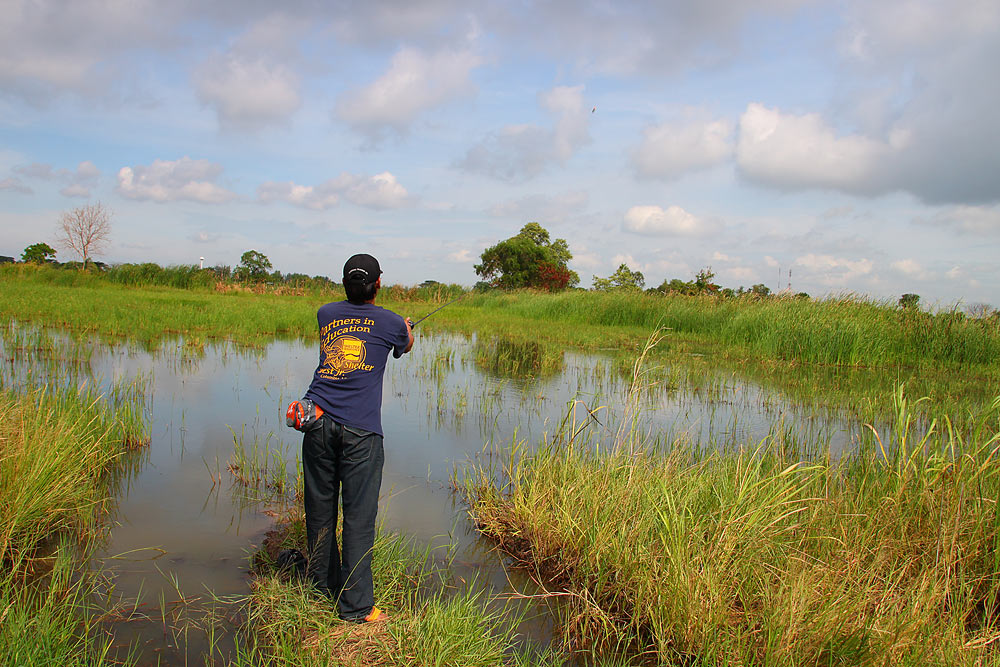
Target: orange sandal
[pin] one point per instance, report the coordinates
(376, 616)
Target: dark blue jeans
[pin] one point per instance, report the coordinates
(342, 461)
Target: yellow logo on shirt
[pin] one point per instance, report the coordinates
(343, 354)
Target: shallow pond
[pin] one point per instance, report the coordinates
(183, 530)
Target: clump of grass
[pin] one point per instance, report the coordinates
(506, 356)
(52, 619)
(58, 449)
(61, 451)
(774, 553)
(259, 467)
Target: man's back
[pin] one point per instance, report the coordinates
(355, 341)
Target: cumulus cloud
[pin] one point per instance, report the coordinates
(672, 221)
(670, 150)
(520, 152)
(165, 180)
(381, 191)
(915, 113)
(801, 151)
(833, 271)
(414, 83)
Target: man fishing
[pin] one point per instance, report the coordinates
(342, 453)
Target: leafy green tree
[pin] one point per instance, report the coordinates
(528, 259)
(909, 301)
(253, 267)
(760, 289)
(703, 281)
(622, 278)
(38, 253)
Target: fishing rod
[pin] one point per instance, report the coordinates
(414, 325)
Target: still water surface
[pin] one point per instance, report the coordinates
(183, 531)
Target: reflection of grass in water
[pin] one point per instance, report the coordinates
(505, 356)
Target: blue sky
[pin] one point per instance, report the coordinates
(833, 146)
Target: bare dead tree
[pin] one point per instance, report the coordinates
(85, 230)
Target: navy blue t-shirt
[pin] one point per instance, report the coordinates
(354, 343)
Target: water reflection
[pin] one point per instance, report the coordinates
(185, 523)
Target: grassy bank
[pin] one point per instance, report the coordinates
(433, 622)
(853, 332)
(60, 452)
(771, 553)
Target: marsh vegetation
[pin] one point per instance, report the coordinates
(768, 486)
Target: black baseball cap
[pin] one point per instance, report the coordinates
(362, 269)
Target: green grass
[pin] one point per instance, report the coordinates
(432, 622)
(772, 553)
(61, 452)
(850, 331)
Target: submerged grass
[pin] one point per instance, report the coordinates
(773, 553)
(506, 356)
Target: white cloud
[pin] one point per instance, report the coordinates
(722, 257)
(463, 256)
(911, 268)
(414, 83)
(670, 150)
(833, 271)
(381, 191)
(740, 274)
(655, 221)
(166, 180)
(791, 151)
(248, 93)
(771, 261)
(316, 197)
(520, 152)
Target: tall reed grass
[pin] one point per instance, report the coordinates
(770, 553)
(61, 451)
(848, 331)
